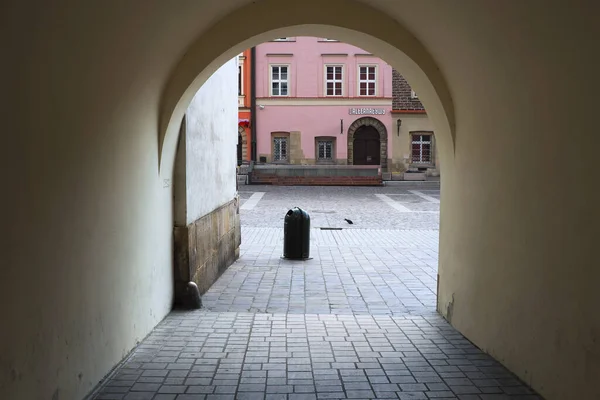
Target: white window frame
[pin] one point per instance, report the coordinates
(271, 81)
(334, 81)
(240, 63)
(241, 79)
(421, 142)
(413, 94)
(367, 81)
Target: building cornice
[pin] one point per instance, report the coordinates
(325, 101)
(409, 112)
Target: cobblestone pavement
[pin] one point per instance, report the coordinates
(368, 267)
(329, 206)
(357, 321)
(352, 272)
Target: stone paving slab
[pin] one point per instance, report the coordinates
(357, 321)
(351, 272)
(210, 355)
(330, 206)
(420, 240)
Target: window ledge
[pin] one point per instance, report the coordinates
(414, 165)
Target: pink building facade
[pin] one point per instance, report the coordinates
(319, 101)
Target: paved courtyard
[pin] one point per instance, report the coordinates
(356, 321)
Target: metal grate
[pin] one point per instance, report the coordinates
(325, 149)
(280, 149)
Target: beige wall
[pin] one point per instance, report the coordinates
(93, 97)
(401, 142)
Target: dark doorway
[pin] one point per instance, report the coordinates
(367, 146)
(239, 151)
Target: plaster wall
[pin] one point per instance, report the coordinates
(86, 250)
(307, 57)
(401, 141)
(312, 121)
(211, 140)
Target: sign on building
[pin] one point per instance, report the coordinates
(366, 111)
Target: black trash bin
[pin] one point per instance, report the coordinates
(296, 235)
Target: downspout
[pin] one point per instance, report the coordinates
(253, 104)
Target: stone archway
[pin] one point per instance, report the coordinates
(383, 138)
(243, 143)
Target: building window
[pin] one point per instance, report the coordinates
(240, 92)
(279, 80)
(367, 80)
(413, 94)
(333, 80)
(325, 150)
(280, 148)
(421, 148)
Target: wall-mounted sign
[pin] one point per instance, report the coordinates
(366, 111)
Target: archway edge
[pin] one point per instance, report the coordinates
(346, 20)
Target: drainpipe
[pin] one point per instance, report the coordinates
(253, 104)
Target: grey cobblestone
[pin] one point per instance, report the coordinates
(379, 380)
(357, 321)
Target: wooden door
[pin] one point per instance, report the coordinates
(239, 150)
(367, 146)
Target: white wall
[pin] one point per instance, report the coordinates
(211, 140)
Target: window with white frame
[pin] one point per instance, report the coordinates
(367, 80)
(240, 83)
(279, 80)
(421, 149)
(280, 148)
(413, 94)
(325, 150)
(334, 80)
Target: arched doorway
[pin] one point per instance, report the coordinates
(239, 150)
(367, 142)
(242, 146)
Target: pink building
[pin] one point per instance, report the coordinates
(320, 101)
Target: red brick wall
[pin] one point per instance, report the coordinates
(317, 180)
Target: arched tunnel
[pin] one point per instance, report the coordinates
(93, 97)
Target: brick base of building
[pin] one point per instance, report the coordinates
(268, 179)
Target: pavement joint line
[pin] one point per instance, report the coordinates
(392, 203)
(252, 201)
(425, 197)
